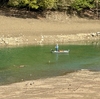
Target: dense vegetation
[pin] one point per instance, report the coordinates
(75, 5)
(52, 4)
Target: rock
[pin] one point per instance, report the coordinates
(93, 34)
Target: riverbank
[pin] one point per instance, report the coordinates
(82, 84)
(19, 31)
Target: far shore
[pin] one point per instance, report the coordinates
(19, 31)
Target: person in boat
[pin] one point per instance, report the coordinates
(57, 47)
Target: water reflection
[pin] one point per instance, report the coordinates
(59, 55)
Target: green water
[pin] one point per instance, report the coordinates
(35, 62)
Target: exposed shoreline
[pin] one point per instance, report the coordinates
(83, 84)
(49, 39)
(18, 31)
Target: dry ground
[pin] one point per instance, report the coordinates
(78, 85)
(15, 26)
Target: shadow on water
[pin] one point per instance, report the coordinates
(35, 62)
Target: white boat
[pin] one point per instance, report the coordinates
(60, 51)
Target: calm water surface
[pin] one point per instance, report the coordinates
(34, 62)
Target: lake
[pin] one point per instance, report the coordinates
(35, 62)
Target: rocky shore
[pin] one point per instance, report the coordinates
(48, 39)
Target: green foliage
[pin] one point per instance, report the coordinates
(47, 4)
(55, 4)
(81, 4)
(33, 4)
(63, 4)
(13, 2)
(24, 3)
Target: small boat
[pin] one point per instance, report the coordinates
(60, 51)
